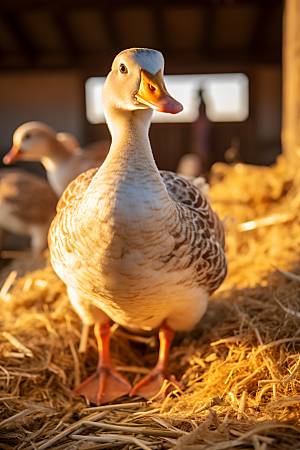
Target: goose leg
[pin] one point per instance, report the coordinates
(149, 386)
(84, 338)
(106, 384)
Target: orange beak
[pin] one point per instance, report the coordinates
(153, 93)
(12, 156)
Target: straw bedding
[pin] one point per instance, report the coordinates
(240, 365)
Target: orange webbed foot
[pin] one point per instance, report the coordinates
(104, 386)
(149, 386)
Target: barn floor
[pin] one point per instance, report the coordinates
(240, 366)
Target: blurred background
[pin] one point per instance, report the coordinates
(53, 55)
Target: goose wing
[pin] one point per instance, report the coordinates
(198, 233)
(186, 193)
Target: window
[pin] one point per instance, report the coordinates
(226, 97)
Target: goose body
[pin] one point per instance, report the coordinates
(27, 206)
(146, 249)
(62, 159)
(134, 245)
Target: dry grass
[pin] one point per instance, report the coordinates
(265, 200)
(240, 366)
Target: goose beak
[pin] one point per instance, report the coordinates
(153, 93)
(12, 156)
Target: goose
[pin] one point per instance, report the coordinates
(36, 141)
(135, 246)
(189, 166)
(62, 158)
(27, 206)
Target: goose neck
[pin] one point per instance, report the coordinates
(130, 140)
(56, 155)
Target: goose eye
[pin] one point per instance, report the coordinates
(27, 136)
(123, 68)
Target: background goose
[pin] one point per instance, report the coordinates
(62, 158)
(133, 245)
(27, 206)
(28, 202)
(36, 141)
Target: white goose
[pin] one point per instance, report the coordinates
(133, 245)
(36, 141)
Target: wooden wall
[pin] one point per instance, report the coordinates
(57, 98)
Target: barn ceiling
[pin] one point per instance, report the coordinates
(84, 34)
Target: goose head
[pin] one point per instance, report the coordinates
(135, 83)
(31, 142)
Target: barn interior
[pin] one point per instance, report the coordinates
(240, 365)
(49, 50)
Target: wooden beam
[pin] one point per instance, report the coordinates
(205, 46)
(112, 4)
(18, 31)
(291, 85)
(260, 30)
(111, 30)
(158, 26)
(192, 61)
(60, 22)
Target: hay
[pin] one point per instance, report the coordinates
(260, 206)
(240, 366)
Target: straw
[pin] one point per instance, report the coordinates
(240, 366)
